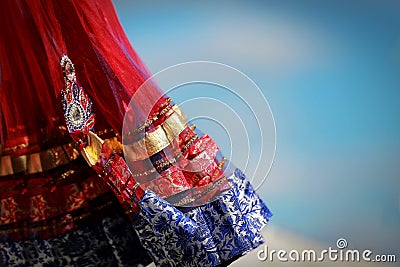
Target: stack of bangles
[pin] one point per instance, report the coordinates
(164, 154)
(177, 159)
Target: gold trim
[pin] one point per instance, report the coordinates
(6, 167)
(159, 164)
(38, 162)
(34, 164)
(19, 163)
(160, 138)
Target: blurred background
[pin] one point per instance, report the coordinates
(330, 71)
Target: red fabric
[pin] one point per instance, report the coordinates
(35, 34)
(121, 181)
(43, 204)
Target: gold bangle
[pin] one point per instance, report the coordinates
(157, 140)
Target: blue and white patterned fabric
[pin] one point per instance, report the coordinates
(109, 243)
(209, 235)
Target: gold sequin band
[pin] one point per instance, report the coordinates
(38, 162)
(157, 140)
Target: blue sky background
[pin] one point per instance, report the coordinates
(330, 71)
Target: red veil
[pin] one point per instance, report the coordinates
(35, 34)
(41, 177)
(45, 188)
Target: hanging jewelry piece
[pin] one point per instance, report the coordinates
(77, 106)
(99, 154)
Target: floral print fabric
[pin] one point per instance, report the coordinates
(209, 235)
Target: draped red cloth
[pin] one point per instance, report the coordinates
(42, 179)
(34, 35)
